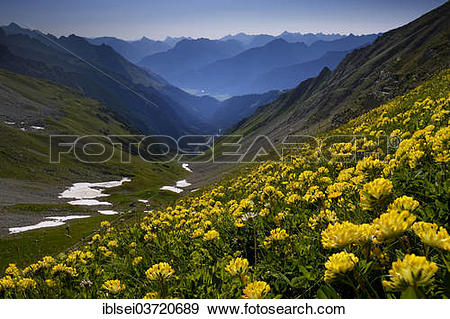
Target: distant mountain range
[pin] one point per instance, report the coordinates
(190, 55)
(393, 64)
(142, 100)
(140, 97)
(258, 40)
(132, 50)
(245, 73)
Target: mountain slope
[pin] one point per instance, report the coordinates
(98, 71)
(32, 109)
(292, 223)
(189, 55)
(231, 76)
(134, 51)
(290, 76)
(396, 62)
(236, 108)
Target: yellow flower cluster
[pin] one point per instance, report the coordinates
(411, 271)
(374, 192)
(211, 235)
(276, 234)
(339, 264)
(432, 235)
(63, 269)
(161, 271)
(342, 234)
(237, 267)
(113, 286)
(256, 290)
(392, 224)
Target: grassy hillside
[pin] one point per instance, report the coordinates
(25, 164)
(365, 222)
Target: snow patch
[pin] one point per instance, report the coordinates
(143, 201)
(108, 212)
(172, 189)
(183, 183)
(88, 202)
(10, 123)
(186, 167)
(37, 127)
(53, 222)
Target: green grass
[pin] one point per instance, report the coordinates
(25, 247)
(25, 156)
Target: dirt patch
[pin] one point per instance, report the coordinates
(14, 192)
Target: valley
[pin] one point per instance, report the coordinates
(117, 181)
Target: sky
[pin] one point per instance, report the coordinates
(157, 19)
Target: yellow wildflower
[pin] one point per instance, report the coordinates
(63, 269)
(392, 224)
(237, 267)
(113, 286)
(6, 283)
(136, 261)
(26, 284)
(256, 290)
(152, 295)
(411, 271)
(339, 264)
(432, 235)
(345, 233)
(13, 270)
(159, 271)
(404, 203)
(211, 235)
(374, 192)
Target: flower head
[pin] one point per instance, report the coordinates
(375, 192)
(392, 224)
(26, 284)
(211, 235)
(256, 290)
(113, 286)
(411, 271)
(339, 264)
(159, 271)
(237, 267)
(345, 233)
(276, 234)
(152, 295)
(432, 235)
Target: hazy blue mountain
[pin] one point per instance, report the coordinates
(132, 50)
(257, 40)
(234, 75)
(395, 63)
(136, 95)
(190, 55)
(172, 41)
(288, 77)
(234, 109)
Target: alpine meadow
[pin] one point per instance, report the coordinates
(293, 165)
